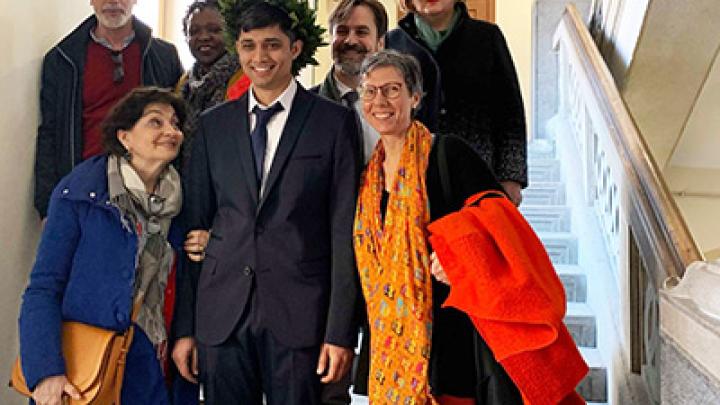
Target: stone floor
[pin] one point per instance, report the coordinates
(359, 400)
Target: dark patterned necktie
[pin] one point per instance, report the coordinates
(258, 136)
(350, 98)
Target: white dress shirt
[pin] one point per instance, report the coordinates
(275, 126)
(370, 135)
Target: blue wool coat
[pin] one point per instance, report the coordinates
(84, 271)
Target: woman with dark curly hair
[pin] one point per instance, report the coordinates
(105, 250)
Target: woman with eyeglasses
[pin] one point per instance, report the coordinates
(105, 249)
(419, 353)
(480, 94)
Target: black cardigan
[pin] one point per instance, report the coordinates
(480, 100)
(458, 352)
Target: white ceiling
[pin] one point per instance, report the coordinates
(699, 144)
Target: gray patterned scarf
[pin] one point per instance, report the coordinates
(206, 88)
(149, 216)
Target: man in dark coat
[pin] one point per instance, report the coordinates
(83, 76)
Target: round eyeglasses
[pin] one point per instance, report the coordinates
(389, 91)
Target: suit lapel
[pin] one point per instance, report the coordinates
(242, 138)
(298, 114)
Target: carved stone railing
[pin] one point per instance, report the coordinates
(646, 237)
(618, 162)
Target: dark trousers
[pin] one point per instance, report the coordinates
(337, 393)
(252, 363)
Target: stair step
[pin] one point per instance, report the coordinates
(547, 218)
(544, 193)
(544, 170)
(540, 149)
(593, 388)
(574, 281)
(562, 247)
(582, 325)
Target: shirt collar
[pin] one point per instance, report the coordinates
(104, 42)
(285, 99)
(343, 89)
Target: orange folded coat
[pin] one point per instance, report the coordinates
(502, 277)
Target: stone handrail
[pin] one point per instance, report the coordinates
(592, 104)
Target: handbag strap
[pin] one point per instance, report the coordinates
(126, 341)
(476, 199)
(444, 169)
(137, 304)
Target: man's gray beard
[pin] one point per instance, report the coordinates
(113, 23)
(350, 68)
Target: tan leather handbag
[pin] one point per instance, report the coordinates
(94, 362)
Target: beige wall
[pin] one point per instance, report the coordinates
(28, 32)
(514, 17)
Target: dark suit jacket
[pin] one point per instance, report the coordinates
(293, 246)
(329, 90)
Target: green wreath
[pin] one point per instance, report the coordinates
(303, 26)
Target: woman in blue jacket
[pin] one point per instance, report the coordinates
(104, 246)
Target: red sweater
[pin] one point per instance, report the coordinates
(100, 92)
(502, 277)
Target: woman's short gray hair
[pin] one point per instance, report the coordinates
(406, 64)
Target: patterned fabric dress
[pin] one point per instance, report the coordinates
(394, 265)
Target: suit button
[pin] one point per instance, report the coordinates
(120, 317)
(247, 271)
(443, 111)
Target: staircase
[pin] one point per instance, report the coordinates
(547, 209)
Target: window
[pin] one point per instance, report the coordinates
(148, 11)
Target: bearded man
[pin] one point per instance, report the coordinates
(357, 28)
(83, 76)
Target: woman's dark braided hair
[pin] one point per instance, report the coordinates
(197, 5)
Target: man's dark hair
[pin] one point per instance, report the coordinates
(345, 7)
(128, 111)
(264, 15)
(197, 5)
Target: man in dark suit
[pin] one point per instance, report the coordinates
(274, 175)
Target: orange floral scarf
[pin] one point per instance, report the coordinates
(394, 265)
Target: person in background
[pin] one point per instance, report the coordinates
(215, 69)
(105, 249)
(83, 76)
(357, 28)
(419, 351)
(481, 101)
